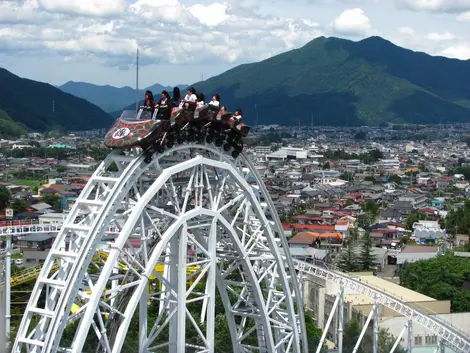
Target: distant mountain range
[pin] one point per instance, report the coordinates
(27, 104)
(111, 98)
(329, 81)
(333, 81)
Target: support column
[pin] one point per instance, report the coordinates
(375, 330)
(181, 303)
(341, 318)
(8, 290)
(3, 337)
(172, 268)
(442, 346)
(410, 336)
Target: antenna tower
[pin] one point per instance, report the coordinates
(137, 82)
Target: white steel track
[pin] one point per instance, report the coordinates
(194, 214)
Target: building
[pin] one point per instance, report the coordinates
(35, 242)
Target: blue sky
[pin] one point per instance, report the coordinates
(181, 41)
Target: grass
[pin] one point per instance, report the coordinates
(32, 183)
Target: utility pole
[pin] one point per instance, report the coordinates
(137, 82)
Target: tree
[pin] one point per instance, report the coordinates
(366, 257)
(414, 217)
(19, 205)
(313, 334)
(348, 258)
(352, 330)
(395, 179)
(61, 169)
(54, 201)
(4, 197)
(441, 278)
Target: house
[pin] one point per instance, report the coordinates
(390, 215)
(35, 242)
(417, 200)
(404, 208)
(438, 203)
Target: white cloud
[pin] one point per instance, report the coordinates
(166, 31)
(98, 8)
(440, 36)
(210, 15)
(406, 31)
(450, 6)
(458, 51)
(352, 22)
(465, 16)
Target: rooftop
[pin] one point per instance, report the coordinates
(413, 249)
(405, 294)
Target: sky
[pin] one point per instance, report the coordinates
(184, 41)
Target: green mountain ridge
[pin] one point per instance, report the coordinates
(341, 82)
(40, 106)
(110, 98)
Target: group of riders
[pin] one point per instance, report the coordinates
(191, 101)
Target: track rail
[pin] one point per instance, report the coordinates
(452, 337)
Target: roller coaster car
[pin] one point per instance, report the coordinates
(136, 129)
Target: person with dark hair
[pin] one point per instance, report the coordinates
(236, 119)
(200, 99)
(215, 102)
(164, 105)
(223, 109)
(149, 101)
(190, 99)
(190, 95)
(176, 96)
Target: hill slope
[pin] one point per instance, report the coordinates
(30, 103)
(109, 98)
(342, 82)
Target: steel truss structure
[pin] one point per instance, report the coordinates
(197, 214)
(202, 218)
(448, 335)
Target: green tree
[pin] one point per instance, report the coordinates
(313, 334)
(395, 179)
(366, 257)
(54, 201)
(352, 330)
(412, 218)
(4, 197)
(441, 278)
(348, 260)
(61, 169)
(19, 205)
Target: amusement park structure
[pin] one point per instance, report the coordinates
(192, 206)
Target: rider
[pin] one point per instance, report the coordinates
(189, 98)
(164, 105)
(176, 96)
(236, 119)
(149, 101)
(200, 99)
(215, 102)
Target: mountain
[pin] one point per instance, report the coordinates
(110, 98)
(341, 82)
(43, 107)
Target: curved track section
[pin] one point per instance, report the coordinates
(193, 236)
(451, 336)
